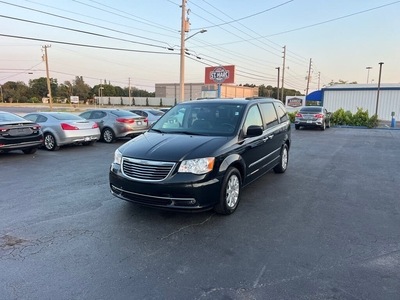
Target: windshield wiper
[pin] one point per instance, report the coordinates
(157, 130)
(189, 133)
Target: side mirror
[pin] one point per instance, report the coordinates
(254, 130)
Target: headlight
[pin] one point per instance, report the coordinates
(117, 157)
(197, 166)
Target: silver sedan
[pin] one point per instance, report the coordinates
(61, 128)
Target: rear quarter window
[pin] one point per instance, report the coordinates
(282, 113)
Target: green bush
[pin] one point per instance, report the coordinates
(360, 118)
(292, 116)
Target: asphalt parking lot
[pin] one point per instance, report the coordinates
(326, 229)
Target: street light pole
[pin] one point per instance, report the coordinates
(368, 68)
(182, 71)
(379, 87)
(184, 29)
(1, 90)
(278, 68)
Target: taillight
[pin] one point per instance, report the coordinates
(123, 120)
(299, 115)
(36, 127)
(319, 116)
(146, 120)
(95, 126)
(3, 129)
(68, 127)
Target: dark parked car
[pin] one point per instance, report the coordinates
(116, 123)
(16, 133)
(200, 154)
(313, 116)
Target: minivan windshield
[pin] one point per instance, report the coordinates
(201, 118)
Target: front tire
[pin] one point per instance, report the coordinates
(230, 192)
(108, 135)
(50, 142)
(284, 160)
(329, 124)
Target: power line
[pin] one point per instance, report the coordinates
(77, 21)
(24, 71)
(107, 21)
(258, 13)
(81, 31)
(230, 31)
(140, 18)
(222, 12)
(334, 19)
(85, 45)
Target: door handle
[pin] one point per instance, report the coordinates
(271, 136)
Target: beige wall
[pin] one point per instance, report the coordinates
(194, 90)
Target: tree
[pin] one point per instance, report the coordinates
(15, 91)
(66, 89)
(80, 88)
(39, 87)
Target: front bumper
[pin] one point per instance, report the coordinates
(178, 192)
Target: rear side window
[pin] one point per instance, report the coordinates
(282, 113)
(269, 114)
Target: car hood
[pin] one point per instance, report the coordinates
(172, 147)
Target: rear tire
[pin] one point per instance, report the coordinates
(29, 151)
(50, 142)
(284, 160)
(323, 126)
(108, 135)
(230, 192)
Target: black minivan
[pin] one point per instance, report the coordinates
(201, 153)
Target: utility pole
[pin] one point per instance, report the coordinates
(184, 29)
(48, 76)
(308, 77)
(283, 74)
(130, 102)
(278, 82)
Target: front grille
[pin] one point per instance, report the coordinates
(146, 170)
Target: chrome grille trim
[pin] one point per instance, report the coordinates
(146, 170)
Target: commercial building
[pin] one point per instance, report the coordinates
(365, 96)
(201, 90)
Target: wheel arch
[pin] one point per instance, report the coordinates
(234, 160)
(53, 133)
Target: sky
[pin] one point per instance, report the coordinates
(138, 42)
